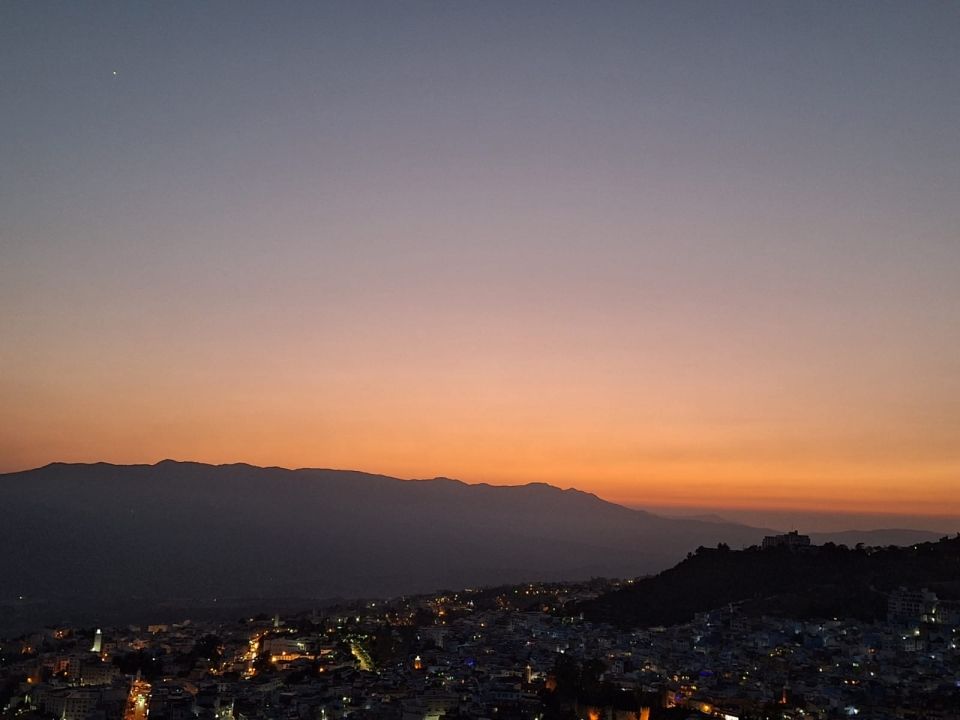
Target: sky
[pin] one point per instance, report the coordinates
(676, 254)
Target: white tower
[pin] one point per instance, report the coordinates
(97, 641)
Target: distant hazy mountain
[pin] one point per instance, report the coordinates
(705, 517)
(892, 536)
(875, 538)
(185, 530)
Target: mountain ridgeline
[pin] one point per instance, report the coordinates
(175, 530)
(190, 530)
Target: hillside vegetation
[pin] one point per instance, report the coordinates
(823, 581)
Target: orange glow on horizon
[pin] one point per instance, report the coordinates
(591, 406)
(772, 482)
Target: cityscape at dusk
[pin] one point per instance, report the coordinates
(462, 360)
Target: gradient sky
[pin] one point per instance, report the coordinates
(672, 253)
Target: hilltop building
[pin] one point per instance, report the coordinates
(792, 540)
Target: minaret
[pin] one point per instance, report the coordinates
(97, 641)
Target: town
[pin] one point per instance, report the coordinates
(517, 653)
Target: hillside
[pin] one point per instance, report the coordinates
(828, 581)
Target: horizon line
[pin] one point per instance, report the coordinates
(656, 508)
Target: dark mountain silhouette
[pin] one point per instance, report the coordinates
(819, 582)
(190, 530)
(92, 533)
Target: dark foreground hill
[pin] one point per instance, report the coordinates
(187, 530)
(822, 582)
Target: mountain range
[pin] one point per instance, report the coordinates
(89, 533)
